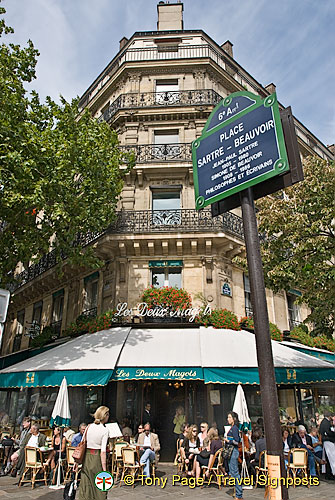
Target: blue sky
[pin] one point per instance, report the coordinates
(287, 42)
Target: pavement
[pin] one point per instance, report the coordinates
(168, 487)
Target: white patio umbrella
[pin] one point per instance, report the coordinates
(241, 408)
(61, 417)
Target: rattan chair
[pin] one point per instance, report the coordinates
(117, 460)
(262, 467)
(35, 464)
(215, 471)
(297, 463)
(131, 464)
(71, 464)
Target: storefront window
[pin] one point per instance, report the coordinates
(167, 276)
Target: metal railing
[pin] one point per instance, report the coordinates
(179, 220)
(157, 54)
(91, 313)
(57, 326)
(147, 153)
(249, 312)
(143, 221)
(161, 99)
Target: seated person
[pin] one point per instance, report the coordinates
(215, 444)
(33, 439)
(68, 434)
(287, 443)
(303, 440)
(140, 430)
(203, 432)
(58, 445)
(126, 430)
(151, 447)
(190, 447)
(76, 438)
(14, 458)
(260, 445)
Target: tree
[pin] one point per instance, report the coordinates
(298, 248)
(59, 175)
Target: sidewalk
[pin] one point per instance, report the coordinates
(325, 491)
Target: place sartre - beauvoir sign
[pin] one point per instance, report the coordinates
(241, 145)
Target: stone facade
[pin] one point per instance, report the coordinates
(157, 93)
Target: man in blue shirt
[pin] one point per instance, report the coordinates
(79, 436)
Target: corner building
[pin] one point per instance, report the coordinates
(157, 93)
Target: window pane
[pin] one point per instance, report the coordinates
(166, 137)
(58, 308)
(175, 277)
(166, 200)
(158, 278)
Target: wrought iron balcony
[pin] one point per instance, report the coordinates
(182, 220)
(294, 323)
(161, 99)
(144, 221)
(148, 153)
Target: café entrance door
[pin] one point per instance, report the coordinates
(167, 397)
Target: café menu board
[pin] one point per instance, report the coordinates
(242, 144)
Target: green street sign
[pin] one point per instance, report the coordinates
(242, 144)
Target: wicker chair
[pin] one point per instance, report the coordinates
(297, 463)
(215, 471)
(262, 467)
(35, 464)
(131, 464)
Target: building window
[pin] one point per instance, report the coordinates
(19, 331)
(247, 296)
(167, 92)
(293, 311)
(166, 145)
(166, 207)
(57, 310)
(35, 327)
(91, 294)
(166, 276)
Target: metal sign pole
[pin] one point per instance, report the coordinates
(274, 443)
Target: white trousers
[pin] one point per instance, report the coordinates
(329, 448)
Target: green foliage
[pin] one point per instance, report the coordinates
(275, 333)
(298, 251)
(322, 342)
(91, 324)
(60, 174)
(168, 297)
(219, 318)
(47, 336)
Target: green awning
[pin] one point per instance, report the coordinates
(158, 373)
(49, 378)
(283, 375)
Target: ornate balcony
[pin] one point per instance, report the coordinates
(144, 221)
(148, 153)
(161, 99)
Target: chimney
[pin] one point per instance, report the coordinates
(228, 47)
(271, 88)
(170, 16)
(123, 42)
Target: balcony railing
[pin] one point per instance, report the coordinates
(161, 99)
(144, 221)
(155, 54)
(148, 153)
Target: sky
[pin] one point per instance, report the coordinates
(287, 42)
